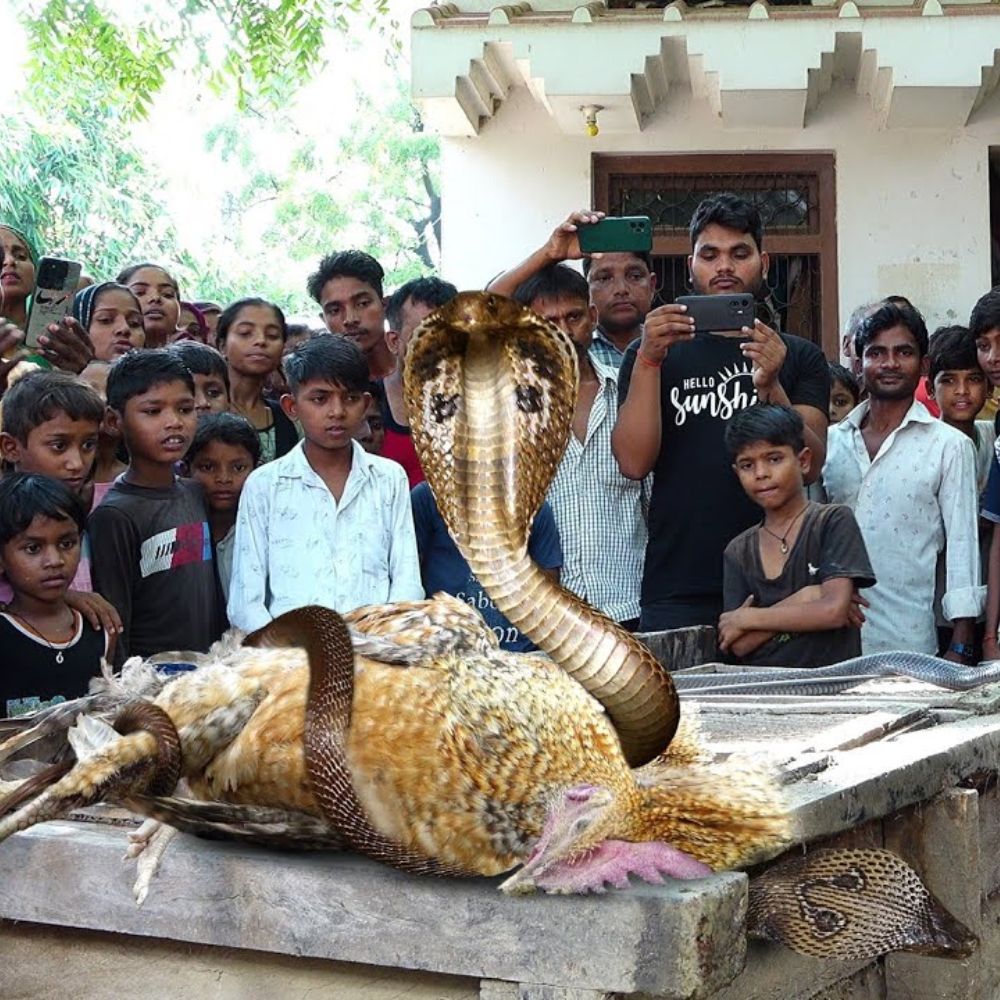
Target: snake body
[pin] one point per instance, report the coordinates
(839, 676)
(490, 391)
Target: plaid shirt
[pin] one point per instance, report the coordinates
(600, 514)
(604, 351)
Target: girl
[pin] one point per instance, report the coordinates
(844, 393)
(17, 275)
(112, 317)
(109, 465)
(159, 298)
(191, 325)
(251, 336)
(50, 653)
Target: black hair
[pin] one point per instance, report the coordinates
(229, 428)
(885, 317)
(552, 282)
(26, 495)
(330, 358)
(200, 359)
(39, 396)
(298, 330)
(986, 313)
(952, 348)
(125, 276)
(430, 291)
(777, 425)
(138, 371)
(847, 378)
(228, 316)
(646, 258)
(346, 264)
(730, 211)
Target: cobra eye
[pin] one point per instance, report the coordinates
(529, 399)
(443, 407)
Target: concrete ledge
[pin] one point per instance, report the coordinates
(674, 941)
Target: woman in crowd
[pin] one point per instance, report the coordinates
(17, 275)
(112, 317)
(159, 299)
(191, 325)
(251, 336)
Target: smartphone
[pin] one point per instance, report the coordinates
(712, 313)
(623, 233)
(55, 285)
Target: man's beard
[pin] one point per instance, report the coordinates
(902, 390)
(754, 287)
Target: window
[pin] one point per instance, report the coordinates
(795, 195)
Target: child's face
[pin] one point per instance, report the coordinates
(353, 308)
(371, 434)
(330, 414)
(841, 402)
(988, 350)
(158, 425)
(62, 448)
(157, 295)
(771, 474)
(42, 560)
(253, 342)
(116, 325)
(222, 469)
(960, 393)
(210, 394)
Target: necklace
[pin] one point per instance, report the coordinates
(34, 631)
(784, 538)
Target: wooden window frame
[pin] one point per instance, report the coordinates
(821, 165)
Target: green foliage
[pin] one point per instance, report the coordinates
(78, 188)
(264, 49)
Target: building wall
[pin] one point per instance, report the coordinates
(912, 205)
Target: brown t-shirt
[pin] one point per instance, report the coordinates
(829, 545)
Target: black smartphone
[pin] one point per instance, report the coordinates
(55, 286)
(712, 313)
(626, 233)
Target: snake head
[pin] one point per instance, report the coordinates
(490, 389)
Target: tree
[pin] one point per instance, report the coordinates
(263, 48)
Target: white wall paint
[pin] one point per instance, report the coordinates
(912, 205)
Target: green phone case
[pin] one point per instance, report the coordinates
(616, 234)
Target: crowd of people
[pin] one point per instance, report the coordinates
(172, 468)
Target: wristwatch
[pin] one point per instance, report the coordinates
(963, 649)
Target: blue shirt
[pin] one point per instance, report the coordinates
(442, 566)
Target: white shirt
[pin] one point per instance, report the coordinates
(601, 515)
(296, 545)
(915, 499)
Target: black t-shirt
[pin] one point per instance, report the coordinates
(36, 674)
(698, 505)
(151, 557)
(829, 545)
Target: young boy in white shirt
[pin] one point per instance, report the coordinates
(327, 523)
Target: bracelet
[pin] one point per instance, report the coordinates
(963, 649)
(645, 361)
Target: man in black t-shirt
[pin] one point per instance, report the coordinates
(678, 389)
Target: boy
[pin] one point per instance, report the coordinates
(150, 539)
(789, 582)
(211, 375)
(48, 655)
(225, 450)
(327, 523)
(50, 426)
(348, 288)
(959, 386)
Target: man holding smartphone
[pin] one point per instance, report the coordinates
(677, 391)
(621, 284)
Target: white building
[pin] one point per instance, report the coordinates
(867, 133)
